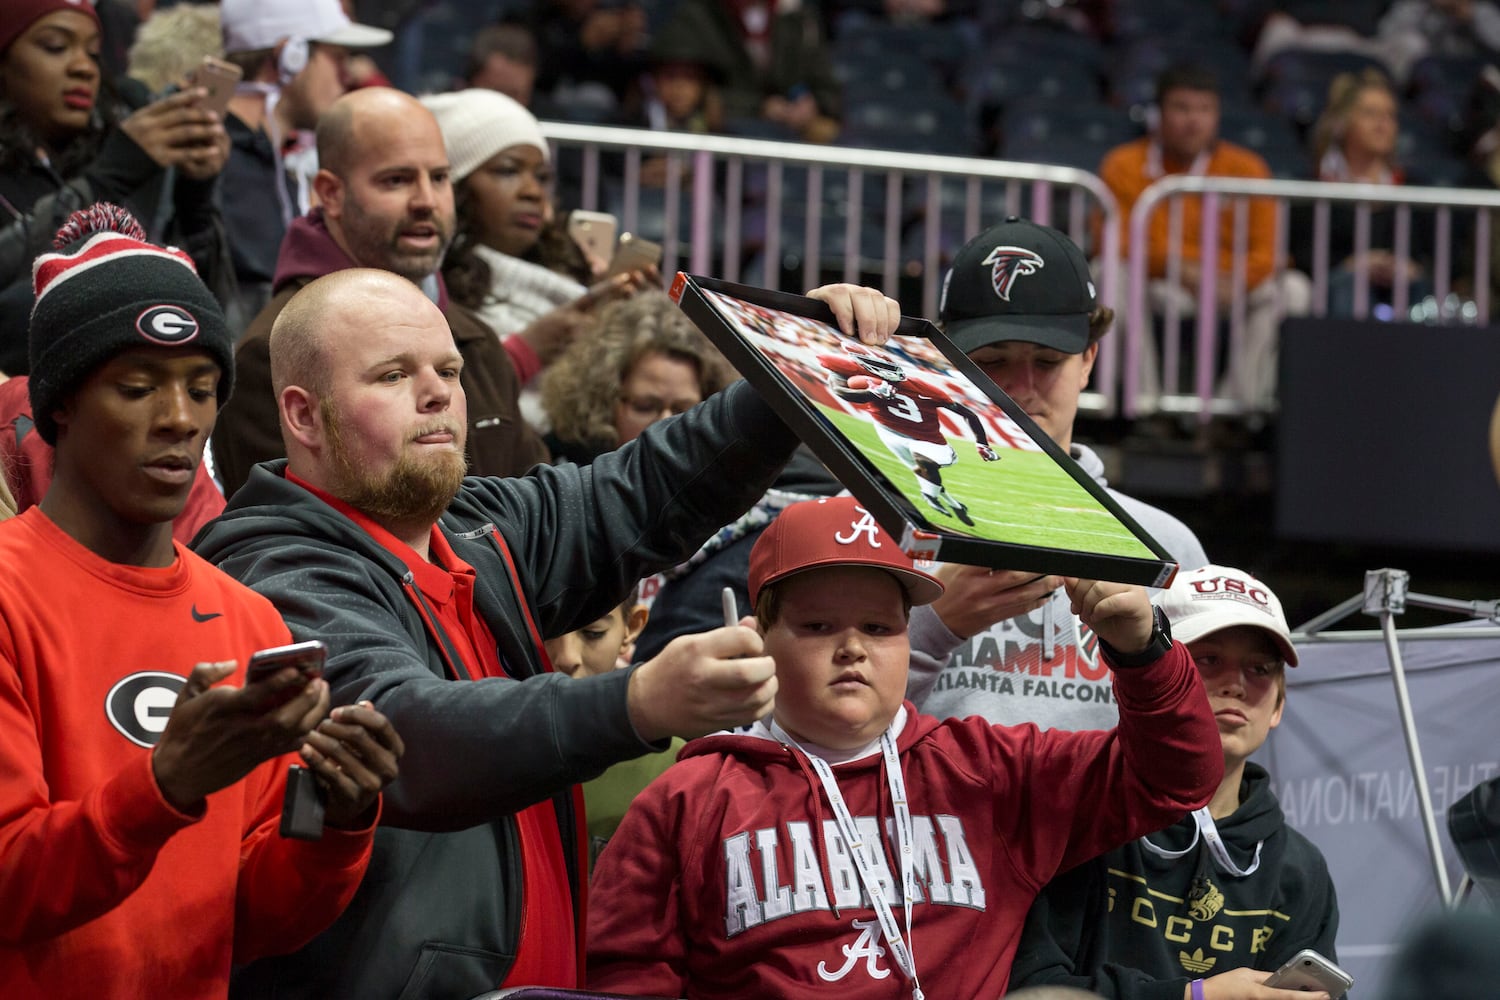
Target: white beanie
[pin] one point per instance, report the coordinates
(479, 123)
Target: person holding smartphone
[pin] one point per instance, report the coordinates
(65, 143)
(1211, 907)
(142, 774)
(507, 262)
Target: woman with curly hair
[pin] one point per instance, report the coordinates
(62, 148)
(643, 360)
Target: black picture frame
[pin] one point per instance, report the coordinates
(1031, 508)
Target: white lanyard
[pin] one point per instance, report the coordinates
(900, 948)
(1204, 826)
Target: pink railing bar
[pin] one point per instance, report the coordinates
(1401, 294)
(1171, 340)
(1482, 266)
(671, 216)
(1442, 267)
(812, 231)
(890, 273)
(932, 230)
(631, 215)
(1320, 258)
(734, 189)
(771, 250)
(1041, 203)
(853, 217)
(1208, 312)
(1239, 267)
(1361, 247)
(590, 200)
(701, 253)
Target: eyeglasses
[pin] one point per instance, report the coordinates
(652, 406)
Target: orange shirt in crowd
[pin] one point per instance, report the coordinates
(1127, 171)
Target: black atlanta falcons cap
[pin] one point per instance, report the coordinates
(1018, 281)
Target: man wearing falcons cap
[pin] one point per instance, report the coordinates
(1207, 908)
(1020, 303)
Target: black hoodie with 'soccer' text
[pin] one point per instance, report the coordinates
(1133, 925)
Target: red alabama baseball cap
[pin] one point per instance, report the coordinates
(833, 531)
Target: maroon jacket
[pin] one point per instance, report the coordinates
(500, 441)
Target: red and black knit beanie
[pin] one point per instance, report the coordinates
(107, 289)
(18, 15)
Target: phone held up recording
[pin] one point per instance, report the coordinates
(305, 800)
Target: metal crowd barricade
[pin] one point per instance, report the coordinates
(704, 195)
(1233, 194)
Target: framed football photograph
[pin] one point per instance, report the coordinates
(935, 451)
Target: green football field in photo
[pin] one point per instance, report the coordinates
(1025, 498)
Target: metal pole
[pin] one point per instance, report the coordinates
(1385, 595)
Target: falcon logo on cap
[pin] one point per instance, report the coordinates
(167, 325)
(1009, 263)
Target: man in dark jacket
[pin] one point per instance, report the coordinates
(434, 592)
(1208, 908)
(386, 202)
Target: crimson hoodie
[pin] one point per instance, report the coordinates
(729, 877)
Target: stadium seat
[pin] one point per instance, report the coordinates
(1318, 68)
(1158, 20)
(941, 46)
(874, 75)
(1361, 15)
(996, 85)
(1060, 151)
(1077, 53)
(1272, 138)
(922, 122)
(1098, 124)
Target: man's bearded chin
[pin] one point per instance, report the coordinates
(416, 490)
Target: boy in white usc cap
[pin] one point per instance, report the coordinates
(1209, 907)
(847, 845)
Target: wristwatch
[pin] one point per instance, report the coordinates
(1156, 646)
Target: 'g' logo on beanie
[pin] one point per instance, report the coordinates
(107, 289)
(167, 325)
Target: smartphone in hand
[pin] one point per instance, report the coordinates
(594, 232)
(219, 78)
(307, 657)
(1310, 972)
(634, 254)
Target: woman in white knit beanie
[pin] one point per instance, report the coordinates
(502, 180)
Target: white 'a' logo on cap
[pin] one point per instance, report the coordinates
(864, 526)
(167, 325)
(1009, 263)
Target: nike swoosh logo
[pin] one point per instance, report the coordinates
(199, 616)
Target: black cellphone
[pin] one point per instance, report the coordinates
(302, 806)
(306, 656)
